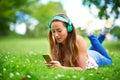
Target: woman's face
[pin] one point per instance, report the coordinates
(59, 31)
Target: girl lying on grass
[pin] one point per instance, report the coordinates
(69, 50)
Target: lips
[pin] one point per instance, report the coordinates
(58, 39)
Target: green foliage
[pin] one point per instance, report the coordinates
(33, 8)
(103, 5)
(8, 8)
(80, 32)
(21, 59)
(116, 31)
(43, 13)
(5, 13)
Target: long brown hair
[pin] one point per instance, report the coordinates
(67, 55)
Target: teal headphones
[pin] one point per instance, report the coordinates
(58, 17)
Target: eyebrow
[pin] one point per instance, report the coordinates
(57, 29)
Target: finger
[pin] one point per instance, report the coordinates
(48, 65)
(54, 62)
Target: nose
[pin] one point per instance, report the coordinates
(56, 34)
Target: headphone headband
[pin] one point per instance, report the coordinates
(60, 18)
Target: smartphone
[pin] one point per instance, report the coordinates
(47, 58)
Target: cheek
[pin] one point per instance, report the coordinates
(65, 34)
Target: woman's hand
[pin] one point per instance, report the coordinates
(55, 64)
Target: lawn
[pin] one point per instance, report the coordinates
(20, 59)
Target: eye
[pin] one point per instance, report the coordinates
(59, 30)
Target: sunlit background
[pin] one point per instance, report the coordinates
(78, 14)
(31, 17)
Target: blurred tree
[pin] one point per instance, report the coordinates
(27, 11)
(106, 7)
(8, 9)
(116, 30)
(43, 12)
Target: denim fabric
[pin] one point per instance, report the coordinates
(97, 51)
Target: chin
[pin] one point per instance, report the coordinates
(59, 41)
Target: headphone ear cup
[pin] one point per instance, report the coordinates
(50, 30)
(69, 28)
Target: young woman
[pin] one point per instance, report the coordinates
(69, 50)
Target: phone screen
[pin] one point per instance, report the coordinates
(47, 58)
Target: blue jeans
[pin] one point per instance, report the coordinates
(97, 51)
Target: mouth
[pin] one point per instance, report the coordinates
(58, 39)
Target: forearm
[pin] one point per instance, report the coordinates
(57, 65)
(72, 68)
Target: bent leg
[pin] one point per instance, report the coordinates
(100, 59)
(101, 38)
(98, 46)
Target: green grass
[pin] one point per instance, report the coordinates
(20, 59)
